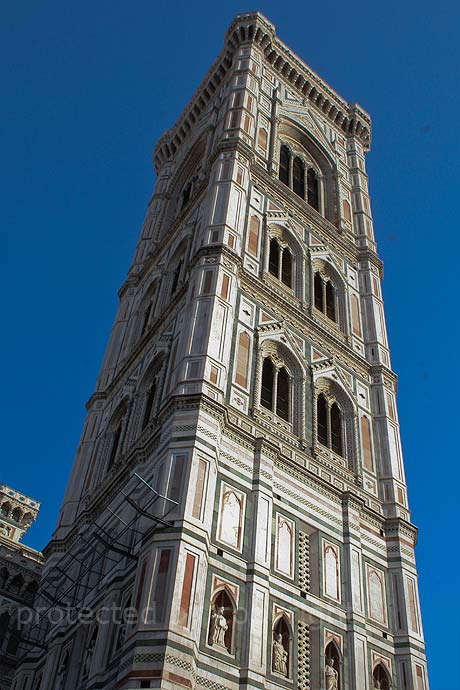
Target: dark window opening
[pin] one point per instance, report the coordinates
(312, 189)
(274, 258)
(268, 374)
(115, 444)
(336, 429)
(149, 404)
(285, 158)
(330, 301)
(286, 268)
(298, 178)
(282, 394)
(318, 290)
(321, 414)
(186, 195)
(176, 275)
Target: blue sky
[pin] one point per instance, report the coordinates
(87, 88)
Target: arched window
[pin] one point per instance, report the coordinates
(281, 648)
(268, 377)
(4, 577)
(5, 509)
(285, 159)
(336, 429)
(186, 195)
(298, 177)
(276, 389)
(329, 425)
(322, 415)
(286, 267)
(324, 296)
(274, 257)
(31, 590)
(318, 290)
(312, 189)
(116, 437)
(283, 394)
(16, 515)
(151, 395)
(381, 678)
(175, 277)
(332, 667)
(330, 301)
(220, 633)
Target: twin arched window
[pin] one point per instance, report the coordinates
(276, 389)
(329, 418)
(280, 262)
(325, 296)
(293, 172)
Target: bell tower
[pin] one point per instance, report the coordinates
(244, 423)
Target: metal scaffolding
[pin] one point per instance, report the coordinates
(133, 514)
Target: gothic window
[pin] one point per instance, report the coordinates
(286, 267)
(268, 377)
(381, 678)
(151, 395)
(325, 296)
(329, 424)
(283, 394)
(285, 159)
(16, 584)
(318, 290)
(298, 177)
(16, 515)
(330, 301)
(281, 648)
(332, 657)
(116, 436)
(274, 257)
(220, 632)
(5, 509)
(276, 389)
(175, 277)
(280, 262)
(322, 416)
(186, 195)
(312, 189)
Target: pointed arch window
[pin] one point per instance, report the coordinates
(325, 296)
(280, 262)
(150, 400)
(298, 177)
(276, 390)
(274, 257)
(283, 394)
(329, 424)
(285, 160)
(312, 189)
(268, 377)
(115, 443)
(175, 277)
(286, 267)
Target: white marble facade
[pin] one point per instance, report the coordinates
(248, 380)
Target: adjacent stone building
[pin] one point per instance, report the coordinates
(240, 480)
(20, 569)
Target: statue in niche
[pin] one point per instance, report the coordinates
(280, 655)
(377, 683)
(332, 676)
(218, 627)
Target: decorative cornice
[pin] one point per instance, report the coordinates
(254, 28)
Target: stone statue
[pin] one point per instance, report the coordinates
(280, 655)
(218, 627)
(377, 683)
(332, 676)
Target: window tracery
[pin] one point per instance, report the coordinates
(300, 175)
(335, 421)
